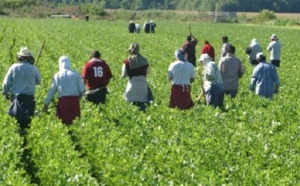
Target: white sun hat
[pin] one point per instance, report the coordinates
(24, 51)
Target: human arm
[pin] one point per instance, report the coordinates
(270, 46)
(254, 79)
(124, 71)
(7, 83)
(170, 73)
(51, 92)
(241, 70)
(81, 86)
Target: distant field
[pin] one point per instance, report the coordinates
(250, 142)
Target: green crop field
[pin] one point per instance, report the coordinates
(251, 142)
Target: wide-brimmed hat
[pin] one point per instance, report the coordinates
(204, 56)
(24, 51)
(274, 37)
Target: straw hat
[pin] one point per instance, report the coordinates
(24, 51)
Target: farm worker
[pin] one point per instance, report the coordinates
(274, 48)
(152, 26)
(87, 18)
(131, 27)
(253, 49)
(225, 44)
(136, 67)
(137, 28)
(147, 26)
(69, 87)
(208, 49)
(96, 76)
(264, 80)
(181, 74)
(232, 70)
(189, 48)
(19, 87)
(212, 81)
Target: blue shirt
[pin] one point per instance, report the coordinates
(21, 78)
(264, 79)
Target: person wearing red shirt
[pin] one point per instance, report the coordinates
(208, 49)
(96, 75)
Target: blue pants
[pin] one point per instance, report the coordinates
(215, 96)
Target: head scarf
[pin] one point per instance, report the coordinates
(64, 63)
(135, 59)
(253, 42)
(179, 54)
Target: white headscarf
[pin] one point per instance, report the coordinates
(64, 63)
(254, 42)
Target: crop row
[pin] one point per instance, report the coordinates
(250, 142)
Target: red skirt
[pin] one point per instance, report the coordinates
(68, 109)
(181, 97)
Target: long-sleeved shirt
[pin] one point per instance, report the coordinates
(21, 78)
(66, 82)
(255, 48)
(211, 75)
(223, 50)
(274, 47)
(231, 69)
(264, 79)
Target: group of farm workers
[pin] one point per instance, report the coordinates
(218, 80)
(222, 78)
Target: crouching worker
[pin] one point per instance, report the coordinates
(19, 87)
(181, 74)
(212, 82)
(70, 88)
(96, 75)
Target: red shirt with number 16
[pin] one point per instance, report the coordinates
(96, 73)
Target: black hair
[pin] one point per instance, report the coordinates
(96, 54)
(261, 58)
(29, 59)
(189, 38)
(225, 38)
(230, 49)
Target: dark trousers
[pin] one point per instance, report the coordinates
(22, 108)
(215, 96)
(98, 97)
(254, 62)
(275, 62)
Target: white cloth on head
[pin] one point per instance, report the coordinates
(66, 82)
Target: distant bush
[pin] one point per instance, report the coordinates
(92, 9)
(263, 16)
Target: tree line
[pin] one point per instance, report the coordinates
(290, 6)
